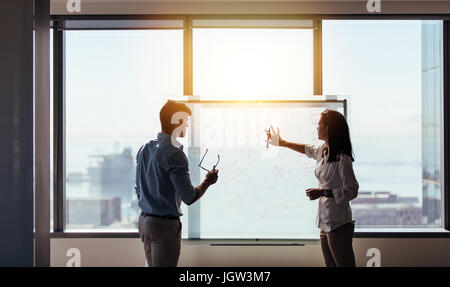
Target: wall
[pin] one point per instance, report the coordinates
(16, 130)
(129, 252)
(250, 7)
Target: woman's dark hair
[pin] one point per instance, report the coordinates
(338, 135)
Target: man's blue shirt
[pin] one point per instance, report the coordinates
(162, 177)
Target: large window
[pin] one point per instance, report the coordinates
(247, 64)
(258, 188)
(116, 83)
(391, 72)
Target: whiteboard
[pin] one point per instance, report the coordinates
(260, 193)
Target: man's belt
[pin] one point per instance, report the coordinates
(161, 216)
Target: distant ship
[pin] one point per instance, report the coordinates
(113, 169)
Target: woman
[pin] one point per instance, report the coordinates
(337, 186)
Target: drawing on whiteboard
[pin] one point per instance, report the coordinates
(261, 191)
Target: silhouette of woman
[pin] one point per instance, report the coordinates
(337, 185)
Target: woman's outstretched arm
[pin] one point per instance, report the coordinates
(298, 147)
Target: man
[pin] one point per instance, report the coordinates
(162, 182)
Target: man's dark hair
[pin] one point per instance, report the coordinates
(166, 113)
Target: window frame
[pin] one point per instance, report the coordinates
(59, 156)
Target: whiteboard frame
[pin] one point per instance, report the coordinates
(194, 214)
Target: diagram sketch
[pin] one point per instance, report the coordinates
(261, 191)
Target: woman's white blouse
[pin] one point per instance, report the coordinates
(340, 178)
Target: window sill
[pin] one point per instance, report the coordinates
(401, 233)
(359, 233)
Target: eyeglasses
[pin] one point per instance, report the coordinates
(214, 167)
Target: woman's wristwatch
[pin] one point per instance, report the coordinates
(326, 192)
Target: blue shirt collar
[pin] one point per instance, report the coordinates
(165, 138)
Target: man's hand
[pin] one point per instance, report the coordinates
(315, 193)
(212, 176)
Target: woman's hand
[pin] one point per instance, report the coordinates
(315, 193)
(273, 137)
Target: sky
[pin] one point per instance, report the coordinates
(377, 66)
(118, 80)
